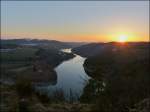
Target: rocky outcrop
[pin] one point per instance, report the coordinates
(143, 106)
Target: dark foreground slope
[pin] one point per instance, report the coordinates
(120, 78)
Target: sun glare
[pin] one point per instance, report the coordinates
(122, 38)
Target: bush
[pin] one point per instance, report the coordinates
(24, 87)
(43, 97)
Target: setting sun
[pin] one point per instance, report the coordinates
(122, 38)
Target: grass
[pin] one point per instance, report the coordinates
(17, 60)
(20, 54)
(126, 74)
(22, 97)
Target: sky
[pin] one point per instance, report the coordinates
(84, 21)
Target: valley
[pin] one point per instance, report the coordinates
(90, 77)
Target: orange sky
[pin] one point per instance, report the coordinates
(76, 21)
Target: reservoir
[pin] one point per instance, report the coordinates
(71, 77)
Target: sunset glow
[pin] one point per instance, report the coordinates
(76, 21)
(122, 38)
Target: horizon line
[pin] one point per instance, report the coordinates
(70, 41)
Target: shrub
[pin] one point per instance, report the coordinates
(24, 87)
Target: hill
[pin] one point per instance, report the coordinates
(13, 43)
(92, 49)
(120, 77)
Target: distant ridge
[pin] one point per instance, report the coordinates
(97, 48)
(37, 42)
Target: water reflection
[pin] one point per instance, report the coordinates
(71, 77)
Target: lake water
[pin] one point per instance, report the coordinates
(71, 77)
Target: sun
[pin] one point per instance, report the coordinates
(122, 38)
